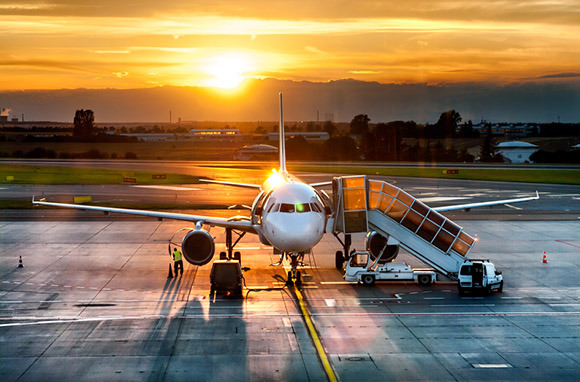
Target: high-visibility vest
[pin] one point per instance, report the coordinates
(176, 256)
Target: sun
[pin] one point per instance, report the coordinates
(228, 70)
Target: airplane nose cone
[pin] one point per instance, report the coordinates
(296, 233)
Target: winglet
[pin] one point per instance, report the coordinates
(282, 149)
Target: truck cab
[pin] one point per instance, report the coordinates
(479, 275)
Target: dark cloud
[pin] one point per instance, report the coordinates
(560, 75)
(526, 102)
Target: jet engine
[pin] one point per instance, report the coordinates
(375, 243)
(198, 247)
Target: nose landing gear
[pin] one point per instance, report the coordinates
(294, 276)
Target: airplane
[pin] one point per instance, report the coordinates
(287, 214)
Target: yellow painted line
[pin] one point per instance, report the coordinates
(317, 344)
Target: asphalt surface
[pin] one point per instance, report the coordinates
(93, 300)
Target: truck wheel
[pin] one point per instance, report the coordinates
(368, 280)
(338, 259)
(500, 287)
(488, 290)
(461, 290)
(424, 280)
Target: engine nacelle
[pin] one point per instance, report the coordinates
(375, 243)
(198, 247)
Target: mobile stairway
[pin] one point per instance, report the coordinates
(362, 205)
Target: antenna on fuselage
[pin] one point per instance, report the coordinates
(282, 149)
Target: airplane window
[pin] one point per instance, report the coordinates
(302, 207)
(315, 207)
(271, 206)
(285, 207)
(276, 207)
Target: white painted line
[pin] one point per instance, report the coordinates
(309, 287)
(441, 199)
(564, 304)
(449, 305)
(286, 322)
(330, 302)
(515, 208)
(491, 365)
(258, 287)
(434, 298)
(511, 298)
(337, 282)
(11, 302)
(170, 188)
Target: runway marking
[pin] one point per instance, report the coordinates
(433, 298)
(450, 305)
(442, 199)
(170, 188)
(43, 320)
(337, 282)
(511, 298)
(563, 242)
(330, 302)
(515, 208)
(314, 335)
(564, 304)
(491, 365)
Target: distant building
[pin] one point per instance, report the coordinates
(214, 133)
(193, 135)
(309, 136)
(256, 152)
(510, 131)
(144, 137)
(516, 151)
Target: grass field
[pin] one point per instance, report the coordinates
(528, 175)
(23, 174)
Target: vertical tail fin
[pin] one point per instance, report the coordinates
(282, 149)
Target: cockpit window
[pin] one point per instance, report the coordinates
(286, 207)
(302, 207)
(315, 207)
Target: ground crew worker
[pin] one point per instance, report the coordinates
(178, 261)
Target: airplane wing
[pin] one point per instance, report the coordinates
(246, 185)
(321, 184)
(485, 204)
(241, 223)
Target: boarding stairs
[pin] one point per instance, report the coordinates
(362, 205)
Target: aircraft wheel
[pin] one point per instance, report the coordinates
(298, 278)
(338, 259)
(424, 280)
(368, 280)
(289, 282)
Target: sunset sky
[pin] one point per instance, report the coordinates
(53, 44)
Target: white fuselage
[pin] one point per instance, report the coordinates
(293, 217)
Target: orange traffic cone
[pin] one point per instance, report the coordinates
(545, 260)
(170, 274)
(20, 265)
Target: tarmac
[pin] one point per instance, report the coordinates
(93, 300)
